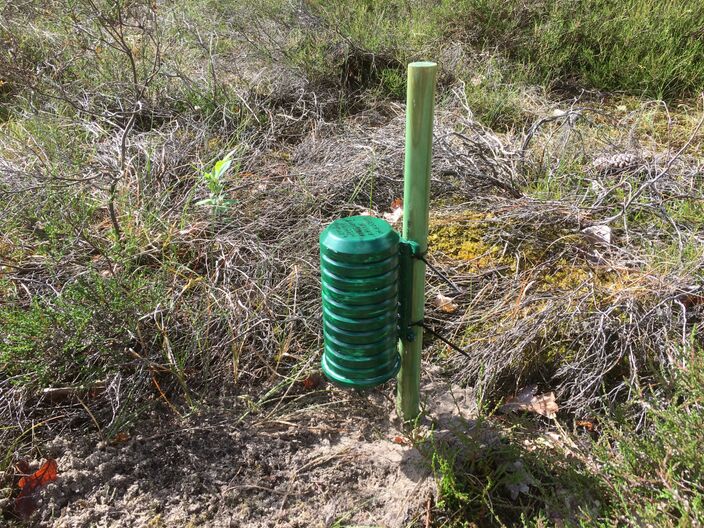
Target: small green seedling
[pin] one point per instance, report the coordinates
(214, 180)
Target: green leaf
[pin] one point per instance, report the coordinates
(221, 167)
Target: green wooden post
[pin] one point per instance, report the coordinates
(419, 140)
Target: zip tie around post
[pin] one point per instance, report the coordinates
(416, 187)
(442, 338)
(440, 274)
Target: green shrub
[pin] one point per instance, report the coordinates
(637, 46)
(76, 336)
(645, 469)
(487, 477)
(656, 472)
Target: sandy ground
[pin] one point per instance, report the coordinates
(332, 458)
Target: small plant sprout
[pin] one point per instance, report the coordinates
(216, 200)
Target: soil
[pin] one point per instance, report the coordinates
(329, 458)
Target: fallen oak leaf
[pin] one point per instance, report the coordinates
(313, 381)
(45, 474)
(120, 438)
(586, 424)
(445, 304)
(598, 234)
(396, 212)
(394, 216)
(26, 502)
(527, 400)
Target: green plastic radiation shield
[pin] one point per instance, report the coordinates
(359, 268)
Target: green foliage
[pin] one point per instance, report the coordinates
(393, 83)
(656, 472)
(488, 478)
(640, 46)
(494, 96)
(216, 200)
(76, 336)
(637, 46)
(27, 331)
(644, 471)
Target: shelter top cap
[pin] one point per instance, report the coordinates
(359, 236)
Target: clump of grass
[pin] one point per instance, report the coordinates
(652, 50)
(76, 337)
(639, 46)
(489, 474)
(654, 467)
(625, 472)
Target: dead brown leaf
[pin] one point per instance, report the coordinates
(120, 438)
(589, 425)
(312, 382)
(396, 212)
(445, 304)
(26, 501)
(526, 400)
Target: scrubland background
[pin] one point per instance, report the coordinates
(140, 279)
